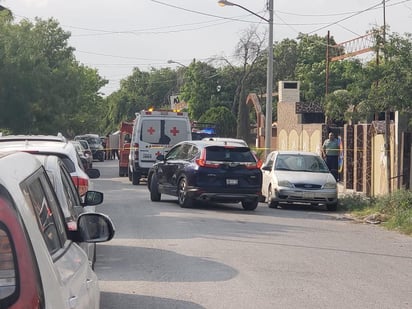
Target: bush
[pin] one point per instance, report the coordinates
(355, 202)
(396, 207)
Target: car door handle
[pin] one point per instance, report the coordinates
(89, 283)
(73, 302)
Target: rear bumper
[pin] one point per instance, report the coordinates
(225, 196)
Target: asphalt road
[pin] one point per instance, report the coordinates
(220, 256)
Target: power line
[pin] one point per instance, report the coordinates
(346, 18)
(374, 7)
(200, 13)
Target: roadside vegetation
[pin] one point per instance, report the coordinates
(393, 211)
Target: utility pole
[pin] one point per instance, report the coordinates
(387, 116)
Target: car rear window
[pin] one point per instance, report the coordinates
(93, 140)
(229, 154)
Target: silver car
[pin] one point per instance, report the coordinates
(298, 177)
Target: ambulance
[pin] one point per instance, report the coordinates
(154, 133)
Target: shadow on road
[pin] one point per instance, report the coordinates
(118, 301)
(126, 263)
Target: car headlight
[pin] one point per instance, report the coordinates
(285, 183)
(329, 185)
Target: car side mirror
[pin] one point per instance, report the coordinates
(93, 227)
(160, 157)
(93, 198)
(266, 167)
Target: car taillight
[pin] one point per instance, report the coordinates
(254, 165)
(17, 262)
(136, 152)
(82, 184)
(204, 163)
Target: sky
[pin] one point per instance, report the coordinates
(116, 36)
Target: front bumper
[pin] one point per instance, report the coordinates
(287, 195)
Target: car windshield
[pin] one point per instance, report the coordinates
(229, 154)
(301, 163)
(93, 140)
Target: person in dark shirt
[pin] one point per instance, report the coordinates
(330, 153)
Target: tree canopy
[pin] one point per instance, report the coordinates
(44, 89)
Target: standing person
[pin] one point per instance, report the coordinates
(330, 153)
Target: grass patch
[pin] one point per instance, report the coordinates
(395, 209)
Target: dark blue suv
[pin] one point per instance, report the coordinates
(216, 171)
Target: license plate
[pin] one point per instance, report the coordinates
(308, 195)
(231, 182)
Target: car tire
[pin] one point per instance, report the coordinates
(101, 156)
(332, 207)
(154, 189)
(182, 197)
(135, 178)
(271, 203)
(250, 205)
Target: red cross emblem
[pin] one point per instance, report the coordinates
(151, 130)
(174, 131)
(158, 153)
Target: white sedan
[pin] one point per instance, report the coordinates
(298, 177)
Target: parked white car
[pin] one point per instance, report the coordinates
(45, 268)
(59, 146)
(298, 177)
(69, 199)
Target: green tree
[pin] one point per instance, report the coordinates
(141, 90)
(161, 85)
(311, 67)
(43, 89)
(285, 59)
(225, 121)
(344, 91)
(390, 80)
(200, 81)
